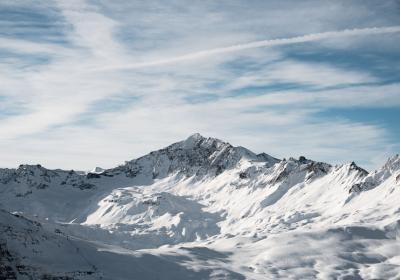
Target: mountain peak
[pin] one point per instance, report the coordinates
(198, 142)
(193, 140)
(393, 163)
(195, 136)
(375, 178)
(353, 167)
(196, 155)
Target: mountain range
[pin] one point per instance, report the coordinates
(202, 209)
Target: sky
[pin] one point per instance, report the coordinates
(95, 83)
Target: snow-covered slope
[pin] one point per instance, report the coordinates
(203, 209)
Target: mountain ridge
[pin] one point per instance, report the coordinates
(194, 138)
(220, 210)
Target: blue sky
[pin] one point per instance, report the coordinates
(94, 83)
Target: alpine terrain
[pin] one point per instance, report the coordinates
(202, 209)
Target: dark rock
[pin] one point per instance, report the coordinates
(302, 159)
(354, 166)
(356, 188)
(42, 186)
(92, 176)
(85, 186)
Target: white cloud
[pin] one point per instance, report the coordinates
(291, 71)
(122, 136)
(258, 44)
(23, 46)
(362, 96)
(161, 72)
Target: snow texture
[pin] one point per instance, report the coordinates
(201, 209)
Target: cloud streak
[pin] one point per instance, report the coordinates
(259, 44)
(125, 78)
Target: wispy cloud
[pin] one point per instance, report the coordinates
(122, 79)
(261, 44)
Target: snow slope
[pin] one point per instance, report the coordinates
(203, 209)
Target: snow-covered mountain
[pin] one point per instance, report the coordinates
(201, 209)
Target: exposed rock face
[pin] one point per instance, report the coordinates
(30, 177)
(196, 155)
(374, 179)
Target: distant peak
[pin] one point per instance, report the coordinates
(192, 140)
(97, 170)
(394, 158)
(195, 136)
(268, 159)
(352, 166)
(393, 162)
(197, 139)
(30, 166)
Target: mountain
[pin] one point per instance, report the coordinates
(201, 209)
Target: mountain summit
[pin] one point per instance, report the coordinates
(196, 156)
